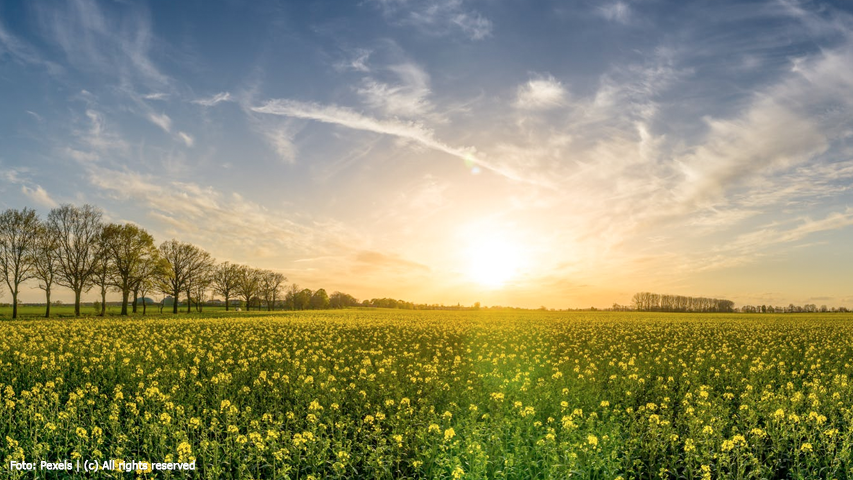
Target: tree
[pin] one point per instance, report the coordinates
(103, 272)
(149, 272)
(19, 232)
(271, 286)
(225, 278)
(129, 249)
(341, 300)
(181, 261)
(303, 299)
(201, 286)
(46, 263)
(248, 284)
(198, 279)
(320, 300)
(77, 230)
(291, 295)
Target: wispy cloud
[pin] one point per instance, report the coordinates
(98, 138)
(32, 191)
(280, 139)
(218, 220)
(161, 120)
(23, 52)
(156, 96)
(92, 40)
(39, 195)
(186, 138)
(616, 12)
(408, 130)
(438, 17)
(540, 93)
(406, 98)
(213, 100)
(357, 61)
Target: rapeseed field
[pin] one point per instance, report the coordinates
(398, 394)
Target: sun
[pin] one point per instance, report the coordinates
(493, 261)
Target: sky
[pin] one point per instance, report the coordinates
(557, 153)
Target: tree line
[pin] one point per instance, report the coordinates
(654, 302)
(75, 249)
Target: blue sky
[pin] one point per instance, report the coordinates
(558, 153)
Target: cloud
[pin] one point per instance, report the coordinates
(437, 17)
(616, 12)
(33, 191)
(187, 139)
(117, 47)
(407, 98)
(156, 96)
(161, 120)
(345, 117)
(23, 52)
(280, 138)
(215, 99)
(370, 260)
(39, 195)
(540, 93)
(357, 62)
(35, 115)
(98, 137)
(220, 220)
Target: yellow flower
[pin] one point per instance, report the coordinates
(806, 447)
(449, 434)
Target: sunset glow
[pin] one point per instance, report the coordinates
(688, 148)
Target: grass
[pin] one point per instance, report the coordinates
(426, 394)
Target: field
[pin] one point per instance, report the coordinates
(396, 394)
(26, 312)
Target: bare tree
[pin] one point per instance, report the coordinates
(18, 239)
(103, 271)
(225, 279)
(46, 264)
(270, 286)
(202, 286)
(146, 280)
(129, 249)
(77, 230)
(181, 261)
(248, 284)
(198, 279)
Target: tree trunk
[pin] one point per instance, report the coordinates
(103, 302)
(143, 306)
(47, 308)
(77, 294)
(175, 302)
(15, 304)
(189, 302)
(136, 298)
(226, 302)
(124, 300)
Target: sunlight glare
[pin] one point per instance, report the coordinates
(493, 261)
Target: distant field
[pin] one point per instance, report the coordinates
(401, 394)
(87, 310)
